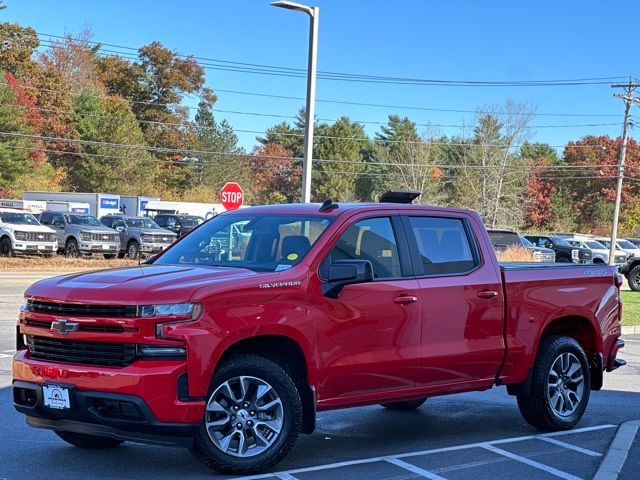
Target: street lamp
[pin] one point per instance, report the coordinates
(313, 13)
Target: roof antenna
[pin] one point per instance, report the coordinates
(328, 205)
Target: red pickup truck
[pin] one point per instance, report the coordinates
(230, 340)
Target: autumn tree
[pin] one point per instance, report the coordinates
(541, 185)
(276, 177)
(17, 49)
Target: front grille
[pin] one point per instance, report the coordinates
(82, 327)
(584, 255)
(82, 310)
(157, 238)
(620, 258)
(84, 353)
(104, 237)
(35, 236)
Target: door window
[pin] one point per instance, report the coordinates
(444, 245)
(370, 239)
(57, 221)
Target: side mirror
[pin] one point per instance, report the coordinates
(347, 272)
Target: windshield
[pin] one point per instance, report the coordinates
(560, 241)
(259, 242)
(191, 221)
(595, 245)
(141, 223)
(526, 242)
(18, 218)
(82, 220)
(505, 239)
(626, 244)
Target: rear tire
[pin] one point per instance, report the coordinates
(257, 394)
(405, 405)
(6, 248)
(560, 385)
(633, 277)
(83, 440)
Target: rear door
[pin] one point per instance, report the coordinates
(369, 338)
(462, 300)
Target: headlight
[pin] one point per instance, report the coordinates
(188, 310)
(575, 254)
(20, 236)
(85, 236)
(146, 239)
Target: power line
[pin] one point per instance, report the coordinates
(274, 70)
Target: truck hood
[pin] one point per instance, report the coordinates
(94, 229)
(28, 228)
(139, 285)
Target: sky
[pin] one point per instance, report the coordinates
(444, 40)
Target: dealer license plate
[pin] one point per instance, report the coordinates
(56, 397)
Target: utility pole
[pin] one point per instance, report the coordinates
(629, 100)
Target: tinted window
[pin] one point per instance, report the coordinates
(502, 240)
(162, 221)
(370, 239)
(82, 220)
(443, 244)
(141, 223)
(263, 243)
(58, 220)
(541, 242)
(18, 218)
(45, 218)
(106, 221)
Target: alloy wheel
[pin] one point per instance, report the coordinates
(565, 384)
(244, 416)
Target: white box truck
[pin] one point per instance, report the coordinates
(100, 204)
(204, 210)
(135, 206)
(70, 207)
(30, 206)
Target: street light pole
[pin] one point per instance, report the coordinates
(307, 160)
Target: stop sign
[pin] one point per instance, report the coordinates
(231, 196)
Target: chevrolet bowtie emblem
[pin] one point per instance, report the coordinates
(64, 326)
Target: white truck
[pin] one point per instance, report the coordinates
(204, 210)
(69, 207)
(20, 232)
(100, 204)
(31, 206)
(135, 206)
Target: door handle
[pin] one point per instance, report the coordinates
(405, 299)
(487, 294)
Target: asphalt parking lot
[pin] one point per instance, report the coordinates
(468, 436)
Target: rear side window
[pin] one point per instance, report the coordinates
(444, 245)
(45, 218)
(370, 239)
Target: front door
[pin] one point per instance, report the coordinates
(369, 337)
(462, 301)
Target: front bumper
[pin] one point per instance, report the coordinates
(160, 383)
(20, 246)
(153, 247)
(99, 247)
(125, 417)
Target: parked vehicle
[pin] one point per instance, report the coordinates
(99, 203)
(20, 232)
(70, 207)
(635, 241)
(30, 206)
(504, 238)
(135, 206)
(179, 224)
(231, 352)
(204, 210)
(599, 253)
(621, 244)
(564, 251)
(80, 234)
(139, 235)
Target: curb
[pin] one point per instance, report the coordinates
(614, 460)
(631, 330)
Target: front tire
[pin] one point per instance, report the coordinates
(133, 250)
(6, 248)
(633, 277)
(71, 249)
(83, 440)
(252, 418)
(560, 385)
(404, 406)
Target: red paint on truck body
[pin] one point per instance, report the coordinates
(463, 332)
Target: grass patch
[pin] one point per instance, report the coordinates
(630, 308)
(515, 254)
(36, 263)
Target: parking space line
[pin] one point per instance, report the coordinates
(531, 463)
(591, 453)
(285, 476)
(413, 469)
(454, 448)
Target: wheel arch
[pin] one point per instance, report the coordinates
(290, 356)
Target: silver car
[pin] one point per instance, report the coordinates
(139, 235)
(80, 234)
(621, 244)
